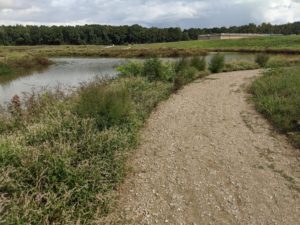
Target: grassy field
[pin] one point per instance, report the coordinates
(277, 96)
(99, 51)
(279, 44)
(289, 43)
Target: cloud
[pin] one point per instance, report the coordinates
(162, 13)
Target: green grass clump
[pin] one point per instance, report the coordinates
(109, 105)
(217, 63)
(199, 63)
(179, 72)
(262, 59)
(277, 96)
(237, 66)
(168, 72)
(181, 64)
(132, 68)
(152, 69)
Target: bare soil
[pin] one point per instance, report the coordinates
(207, 157)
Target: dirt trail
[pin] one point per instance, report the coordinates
(208, 158)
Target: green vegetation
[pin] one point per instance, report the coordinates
(217, 63)
(61, 156)
(131, 69)
(100, 51)
(277, 96)
(110, 105)
(236, 66)
(276, 44)
(262, 59)
(14, 64)
(199, 63)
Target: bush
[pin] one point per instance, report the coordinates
(110, 105)
(262, 59)
(131, 69)
(217, 63)
(185, 76)
(168, 72)
(181, 64)
(199, 63)
(152, 69)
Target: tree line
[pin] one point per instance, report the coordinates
(119, 35)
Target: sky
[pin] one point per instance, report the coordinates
(160, 13)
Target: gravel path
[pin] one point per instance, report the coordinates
(208, 158)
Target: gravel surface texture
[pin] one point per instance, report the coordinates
(207, 157)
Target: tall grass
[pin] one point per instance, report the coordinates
(262, 59)
(59, 166)
(199, 63)
(217, 63)
(277, 96)
(110, 105)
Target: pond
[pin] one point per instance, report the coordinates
(71, 72)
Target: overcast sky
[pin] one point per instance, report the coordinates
(161, 13)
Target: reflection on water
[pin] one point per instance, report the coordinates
(66, 72)
(70, 72)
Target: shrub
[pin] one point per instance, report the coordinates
(181, 64)
(178, 83)
(168, 72)
(152, 69)
(217, 63)
(110, 105)
(262, 59)
(185, 76)
(199, 63)
(131, 69)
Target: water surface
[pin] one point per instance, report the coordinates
(65, 72)
(71, 72)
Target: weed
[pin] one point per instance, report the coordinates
(217, 63)
(152, 69)
(199, 63)
(262, 59)
(181, 64)
(133, 68)
(109, 105)
(237, 66)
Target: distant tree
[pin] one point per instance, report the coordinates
(104, 34)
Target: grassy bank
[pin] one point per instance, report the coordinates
(278, 44)
(61, 156)
(101, 51)
(277, 96)
(13, 64)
